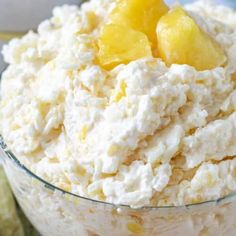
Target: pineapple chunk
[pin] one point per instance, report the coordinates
(121, 45)
(140, 15)
(181, 41)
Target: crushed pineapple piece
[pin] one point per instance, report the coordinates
(80, 171)
(121, 45)
(112, 150)
(118, 95)
(34, 182)
(140, 15)
(195, 200)
(15, 126)
(208, 180)
(98, 193)
(44, 108)
(135, 228)
(65, 186)
(92, 18)
(83, 133)
(181, 41)
(71, 198)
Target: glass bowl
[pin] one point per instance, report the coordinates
(55, 212)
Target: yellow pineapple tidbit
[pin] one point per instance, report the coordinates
(140, 15)
(83, 133)
(135, 228)
(120, 93)
(181, 41)
(121, 45)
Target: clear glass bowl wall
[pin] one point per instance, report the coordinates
(55, 212)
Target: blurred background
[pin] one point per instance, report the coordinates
(231, 3)
(17, 17)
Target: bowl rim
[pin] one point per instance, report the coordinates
(9, 154)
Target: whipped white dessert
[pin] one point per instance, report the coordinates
(144, 133)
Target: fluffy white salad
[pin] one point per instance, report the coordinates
(170, 138)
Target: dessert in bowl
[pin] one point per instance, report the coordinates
(119, 119)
